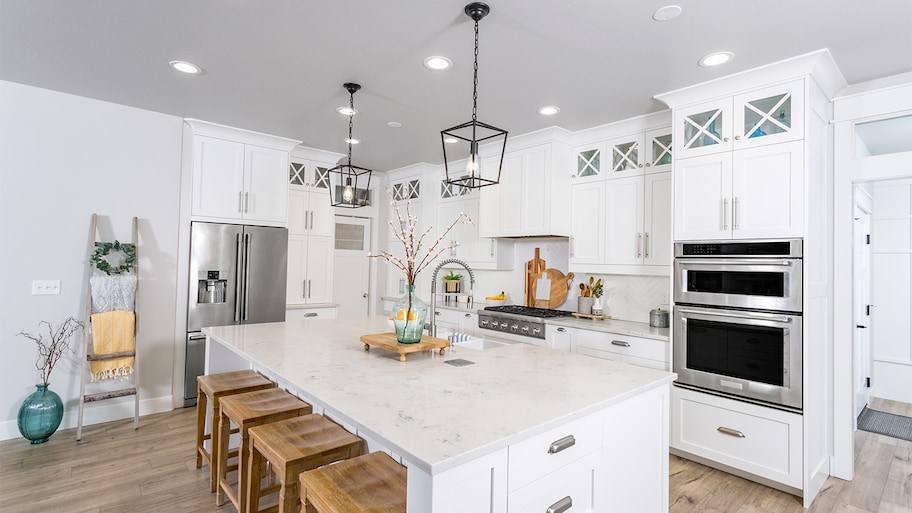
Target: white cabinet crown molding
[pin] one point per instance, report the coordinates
(200, 127)
(819, 64)
(307, 153)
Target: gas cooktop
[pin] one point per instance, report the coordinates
(517, 320)
(528, 311)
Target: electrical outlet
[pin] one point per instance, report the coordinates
(43, 287)
(665, 298)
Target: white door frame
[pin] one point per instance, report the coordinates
(861, 298)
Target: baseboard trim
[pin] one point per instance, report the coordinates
(97, 413)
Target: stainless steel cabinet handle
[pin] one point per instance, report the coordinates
(311, 314)
(561, 330)
(640, 165)
(240, 202)
(730, 432)
(246, 202)
(725, 213)
(725, 139)
(646, 245)
(304, 289)
(639, 244)
(310, 288)
(648, 164)
(492, 247)
(737, 137)
(620, 343)
(468, 315)
(561, 505)
(559, 445)
(735, 213)
(364, 295)
(571, 246)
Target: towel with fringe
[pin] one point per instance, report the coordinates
(115, 292)
(112, 332)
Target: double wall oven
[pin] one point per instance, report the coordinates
(737, 319)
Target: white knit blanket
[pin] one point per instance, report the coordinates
(115, 292)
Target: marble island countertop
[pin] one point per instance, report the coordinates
(436, 415)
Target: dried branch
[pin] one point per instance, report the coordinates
(49, 352)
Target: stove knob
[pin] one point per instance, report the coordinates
(525, 329)
(484, 323)
(503, 326)
(514, 328)
(536, 331)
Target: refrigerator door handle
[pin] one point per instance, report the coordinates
(246, 273)
(238, 278)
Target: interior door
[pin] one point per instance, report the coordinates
(351, 274)
(861, 340)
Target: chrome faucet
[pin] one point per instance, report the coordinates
(432, 321)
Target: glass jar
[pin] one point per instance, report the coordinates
(409, 314)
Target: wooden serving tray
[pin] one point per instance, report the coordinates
(388, 341)
(590, 316)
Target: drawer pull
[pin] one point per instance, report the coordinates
(561, 505)
(620, 343)
(559, 445)
(311, 314)
(730, 432)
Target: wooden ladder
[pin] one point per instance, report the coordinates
(87, 337)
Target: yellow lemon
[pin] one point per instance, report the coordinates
(411, 315)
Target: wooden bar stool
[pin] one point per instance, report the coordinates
(291, 447)
(373, 483)
(249, 410)
(211, 389)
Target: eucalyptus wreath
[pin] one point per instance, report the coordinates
(103, 249)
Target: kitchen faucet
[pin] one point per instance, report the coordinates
(432, 322)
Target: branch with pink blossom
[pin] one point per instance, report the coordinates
(405, 231)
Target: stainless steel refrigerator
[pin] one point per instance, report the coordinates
(237, 276)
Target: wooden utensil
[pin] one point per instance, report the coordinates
(534, 267)
(560, 285)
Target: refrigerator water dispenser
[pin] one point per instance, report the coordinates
(212, 286)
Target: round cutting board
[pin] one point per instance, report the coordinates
(560, 284)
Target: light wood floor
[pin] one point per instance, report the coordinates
(117, 469)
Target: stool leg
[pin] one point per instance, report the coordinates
(289, 498)
(243, 462)
(215, 443)
(254, 468)
(200, 425)
(224, 428)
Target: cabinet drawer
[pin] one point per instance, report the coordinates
(763, 441)
(546, 452)
(572, 487)
(636, 347)
(617, 357)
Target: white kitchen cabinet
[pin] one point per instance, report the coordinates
(310, 209)
(590, 162)
(760, 117)
(645, 352)
(571, 488)
(560, 338)
(236, 176)
(310, 267)
(622, 225)
(455, 321)
(746, 194)
(464, 240)
(760, 441)
(532, 195)
(626, 156)
(659, 150)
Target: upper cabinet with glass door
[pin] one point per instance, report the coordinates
(590, 163)
(765, 116)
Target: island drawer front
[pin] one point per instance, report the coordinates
(576, 481)
(646, 348)
(534, 457)
(615, 357)
(759, 440)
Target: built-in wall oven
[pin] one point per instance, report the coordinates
(737, 319)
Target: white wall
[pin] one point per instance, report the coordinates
(62, 158)
(891, 290)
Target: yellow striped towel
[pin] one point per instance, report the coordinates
(112, 332)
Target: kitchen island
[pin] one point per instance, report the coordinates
(520, 429)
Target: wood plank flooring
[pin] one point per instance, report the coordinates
(117, 469)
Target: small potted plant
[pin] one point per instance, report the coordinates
(597, 308)
(41, 413)
(451, 279)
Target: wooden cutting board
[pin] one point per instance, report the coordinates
(534, 268)
(557, 293)
(388, 341)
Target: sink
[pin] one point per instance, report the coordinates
(479, 344)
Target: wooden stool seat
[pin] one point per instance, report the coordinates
(211, 389)
(249, 410)
(291, 447)
(373, 483)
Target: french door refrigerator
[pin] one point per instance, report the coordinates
(237, 276)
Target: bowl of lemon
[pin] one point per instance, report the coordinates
(498, 300)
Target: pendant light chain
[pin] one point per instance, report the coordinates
(475, 82)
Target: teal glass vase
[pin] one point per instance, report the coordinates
(40, 415)
(409, 314)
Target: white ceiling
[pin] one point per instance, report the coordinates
(277, 66)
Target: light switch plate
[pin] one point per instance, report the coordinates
(42, 287)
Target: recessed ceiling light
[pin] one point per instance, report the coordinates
(716, 58)
(394, 124)
(548, 110)
(352, 141)
(669, 12)
(186, 67)
(451, 140)
(437, 63)
(346, 111)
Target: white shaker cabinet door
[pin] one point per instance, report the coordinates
(319, 269)
(657, 220)
(768, 192)
(218, 178)
(266, 184)
(587, 223)
(624, 236)
(702, 202)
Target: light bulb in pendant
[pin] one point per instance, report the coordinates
(348, 192)
(473, 165)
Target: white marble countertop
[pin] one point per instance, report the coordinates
(634, 329)
(436, 415)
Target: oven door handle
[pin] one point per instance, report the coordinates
(736, 261)
(752, 316)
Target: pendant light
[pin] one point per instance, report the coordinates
(464, 140)
(349, 184)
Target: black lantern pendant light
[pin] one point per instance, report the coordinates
(463, 140)
(350, 185)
